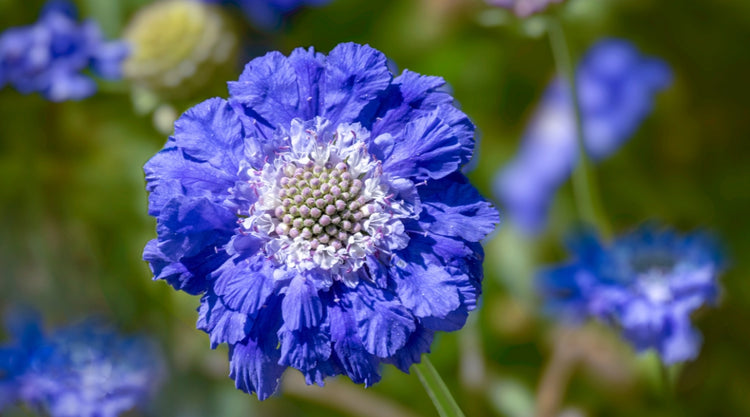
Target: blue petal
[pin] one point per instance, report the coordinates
(355, 76)
(453, 321)
(244, 284)
(169, 174)
(267, 90)
(432, 146)
(187, 226)
(411, 353)
(383, 323)
(304, 349)
(187, 273)
(309, 67)
(255, 369)
(453, 207)
(321, 370)
(422, 91)
(302, 307)
(358, 364)
(410, 95)
(682, 344)
(426, 290)
(211, 131)
(221, 323)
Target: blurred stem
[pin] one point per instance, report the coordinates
(588, 201)
(667, 381)
(554, 382)
(436, 389)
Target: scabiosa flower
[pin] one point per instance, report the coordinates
(616, 88)
(178, 46)
(82, 370)
(48, 56)
(646, 283)
(268, 14)
(322, 214)
(523, 8)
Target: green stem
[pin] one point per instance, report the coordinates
(436, 389)
(588, 202)
(667, 381)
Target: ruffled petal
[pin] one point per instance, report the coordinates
(186, 273)
(355, 76)
(211, 131)
(267, 90)
(304, 349)
(301, 307)
(188, 226)
(454, 208)
(255, 369)
(419, 343)
(359, 365)
(221, 323)
(410, 95)
(309, 67)
(432, 146)
(244, 284)
(170, 174)
(426, 290)
(383, 323)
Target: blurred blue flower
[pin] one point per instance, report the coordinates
(322, 213)
(646, 283)
(523, 8)
(83, 370)
(268, 14)
(616, 88)
(49, 56)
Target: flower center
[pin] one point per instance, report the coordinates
(323, 202)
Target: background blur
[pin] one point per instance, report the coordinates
(73, 218)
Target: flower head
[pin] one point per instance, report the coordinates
(178, 46)
(48, 56)
(83, 370)
(616, 88)
(523, 8)
(268, 14)
(646, 283)
(322, 214)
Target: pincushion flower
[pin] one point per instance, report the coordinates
(322, 214)
(82, 370)
(646, 283)
(523, 8)
(616, 89)
(178, 47)
(49, 56)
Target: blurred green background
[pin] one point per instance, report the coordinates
(73, 218)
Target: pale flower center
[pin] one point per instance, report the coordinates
(324, 203)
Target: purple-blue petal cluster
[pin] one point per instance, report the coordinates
(82, 370)
(321, 213)
(268, 14)
(616, 89)
(646, 283)
(49, 56)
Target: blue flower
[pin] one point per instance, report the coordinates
(83, 370)
(49, 56)
(646, 283)
(616, 88)
(268, 14)
(322, 214)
